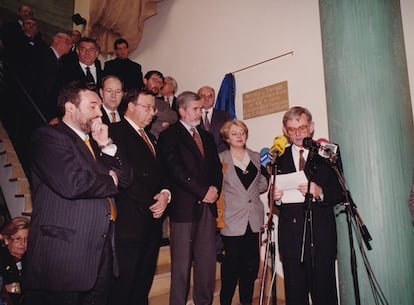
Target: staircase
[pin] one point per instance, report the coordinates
(13, 180)
(159, 294)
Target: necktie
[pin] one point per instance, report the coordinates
(110, 201)
(197, 140)
(301, 160)
(88, 143)
(206, 121)
(147, 141)
(113, 116)
(89, 75)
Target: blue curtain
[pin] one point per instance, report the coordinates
(225, 97)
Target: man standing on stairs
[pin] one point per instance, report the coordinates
(190, 161)
(76, 169)
(140, 206)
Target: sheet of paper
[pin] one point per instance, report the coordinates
(289, 183)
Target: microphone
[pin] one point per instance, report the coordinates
(278, 146)
(265, 157)
(324, 148)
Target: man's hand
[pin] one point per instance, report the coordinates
(278, 194)
(314, 189)
(211, 196)
(158, 208)
(114, 176)
(99, 132)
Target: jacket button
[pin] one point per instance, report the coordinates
(103, 235)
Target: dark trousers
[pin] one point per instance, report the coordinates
(240, 265)
(97, 295)
(302, 279)
(193, 244)
(137, 264)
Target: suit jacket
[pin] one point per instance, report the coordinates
(242, 207)
(45, 82)
(71, 70)
(129, 71)
(165, 115)
(134, 219)
(291, 217)
(173, 104)
(218, 118)
(71, 213)
(189, 174)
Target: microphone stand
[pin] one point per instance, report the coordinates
(270, 242)
(308, 218)
(353, 217)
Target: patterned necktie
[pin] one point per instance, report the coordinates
(301, 160)
(147, 141)
(197, 140)
(89, 75)
(206, 121)
(110, 201)
(113, 116)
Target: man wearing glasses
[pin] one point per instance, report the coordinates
(140, 206)
(87, 68)
(307, 230)
(154, 81)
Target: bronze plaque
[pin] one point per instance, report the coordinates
(266, 100)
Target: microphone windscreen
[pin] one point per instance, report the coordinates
(279, 145)
(265, 157)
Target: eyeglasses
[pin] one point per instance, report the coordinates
(301, 129)
(19, 240)
(148, 108)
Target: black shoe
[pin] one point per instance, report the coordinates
(164, 242)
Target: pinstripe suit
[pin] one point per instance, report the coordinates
(71, 215)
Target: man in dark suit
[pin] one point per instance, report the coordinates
(312, 271)
(87, 68)
(112, 93)
(75, 170)
(126, 69)
(168, 91)
(141, 205)
(45, 73)
(191, 164)
(213, 119)
(153, 81)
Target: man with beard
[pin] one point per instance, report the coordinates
(76, 169)
(153, 81)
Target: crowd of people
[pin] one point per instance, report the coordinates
(121, 152)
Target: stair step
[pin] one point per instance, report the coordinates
(16, 170)
(23, 186)
(160, 289)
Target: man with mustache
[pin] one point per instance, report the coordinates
(75, 171)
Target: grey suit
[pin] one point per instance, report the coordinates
(243, 217)
(242, 206)
(165, 115)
